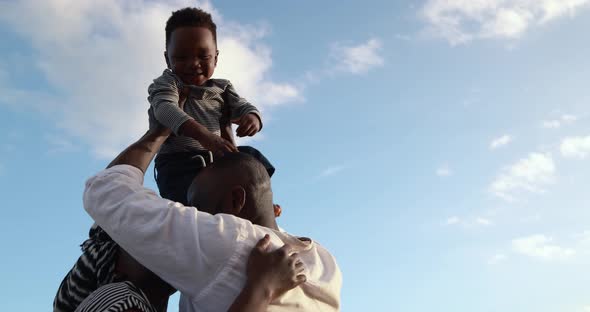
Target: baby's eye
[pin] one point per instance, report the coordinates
(205, 57)
(181, 58)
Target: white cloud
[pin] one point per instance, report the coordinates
(497, 258)
(357, 59)
(557, 123)
(551, 124)
(483, 221)
(444, 171)
(501, 141)
(540, 246)
(100, 57)
(529, 174)
(586, 308)
(468, 223)
(460, 21)
(575, 147)
(569, 118)
(453, 220)
(330, 171)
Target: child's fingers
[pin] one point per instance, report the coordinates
(253, 130)
(248, 128)
(241, 131)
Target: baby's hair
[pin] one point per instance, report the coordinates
(190, 17)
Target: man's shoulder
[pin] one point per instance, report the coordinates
(320, 260)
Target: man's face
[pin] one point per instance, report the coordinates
(192, 54)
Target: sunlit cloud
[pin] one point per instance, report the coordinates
(501, 141)
(359, 58)
(542, 247)
(530, 174)
(444, 171)
(330, 171)
(461, 21)
(575, 147)
(558, 123)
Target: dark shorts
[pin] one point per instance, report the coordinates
(175, 171)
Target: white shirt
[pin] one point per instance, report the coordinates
(203, 256)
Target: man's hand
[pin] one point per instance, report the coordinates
(248, 125)
(277, 271)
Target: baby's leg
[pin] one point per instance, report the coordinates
(175, 173)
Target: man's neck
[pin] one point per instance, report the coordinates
(268, 222)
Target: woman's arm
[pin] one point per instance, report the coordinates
(270, 274)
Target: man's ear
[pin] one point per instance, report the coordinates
(238, 199)
(167, 60)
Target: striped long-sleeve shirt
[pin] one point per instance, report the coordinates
(116, 297)
(204, 105)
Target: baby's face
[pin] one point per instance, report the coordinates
(192, 54)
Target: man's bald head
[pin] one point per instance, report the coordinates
(237, 184)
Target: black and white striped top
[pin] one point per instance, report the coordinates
(204, 105)
(94, 268)
(116, 297)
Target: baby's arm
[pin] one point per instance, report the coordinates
(164, 97)
(244, 114)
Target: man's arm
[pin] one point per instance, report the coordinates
(141, 153)
(183, 246)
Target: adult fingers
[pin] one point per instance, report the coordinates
(285, 251)
(300, 279)
(299, 265)
(263, 243)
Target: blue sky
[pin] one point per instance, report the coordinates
(439, 149)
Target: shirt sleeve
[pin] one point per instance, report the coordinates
(238, 105)
(164, 97)
(185, 247)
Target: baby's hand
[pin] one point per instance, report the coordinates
(249, 125)
(217, 145)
